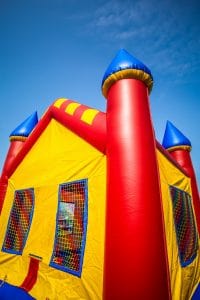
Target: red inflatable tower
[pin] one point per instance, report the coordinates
(179, 147)
(135, 256)
(17, 139)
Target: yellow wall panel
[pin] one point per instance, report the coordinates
(183, 279)
(58, 156)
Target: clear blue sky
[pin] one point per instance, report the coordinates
(61, 48)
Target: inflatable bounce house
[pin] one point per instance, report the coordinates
(93, 207)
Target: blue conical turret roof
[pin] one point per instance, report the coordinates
(174, 137)
(122, 61)
(124, 65)
(25, 128)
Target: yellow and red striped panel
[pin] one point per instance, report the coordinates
(83, 112)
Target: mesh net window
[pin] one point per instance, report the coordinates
(186, 232)
(19, 221)
(71, 227)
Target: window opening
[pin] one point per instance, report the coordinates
(19, 221)
(186, 231)
(71, 227)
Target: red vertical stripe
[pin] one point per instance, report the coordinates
(31, 277)
(3, 189)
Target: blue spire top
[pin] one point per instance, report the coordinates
(25, 128)
(174, 137)
(124, 61)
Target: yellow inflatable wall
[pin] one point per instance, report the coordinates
(184, 278)
(59, 156)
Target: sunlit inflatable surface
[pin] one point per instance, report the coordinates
(94, 207)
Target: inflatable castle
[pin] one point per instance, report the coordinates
(93, 207)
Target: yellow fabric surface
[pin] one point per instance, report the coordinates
(89, 115)
(183, 279)
(71, 108)
(57, 157)
(59, 102)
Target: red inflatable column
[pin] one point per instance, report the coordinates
(179, 147)
(182, 156)
(135, 252)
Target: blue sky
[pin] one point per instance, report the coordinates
(61, 48)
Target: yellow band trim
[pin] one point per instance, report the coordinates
(125, 74)
(71, 108)
(89, 115)
(59, 102)
(17, 138)
(35, 256)
(181, 147)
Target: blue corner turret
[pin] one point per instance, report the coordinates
(174, 137)
(25, 128)
(124, 65)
